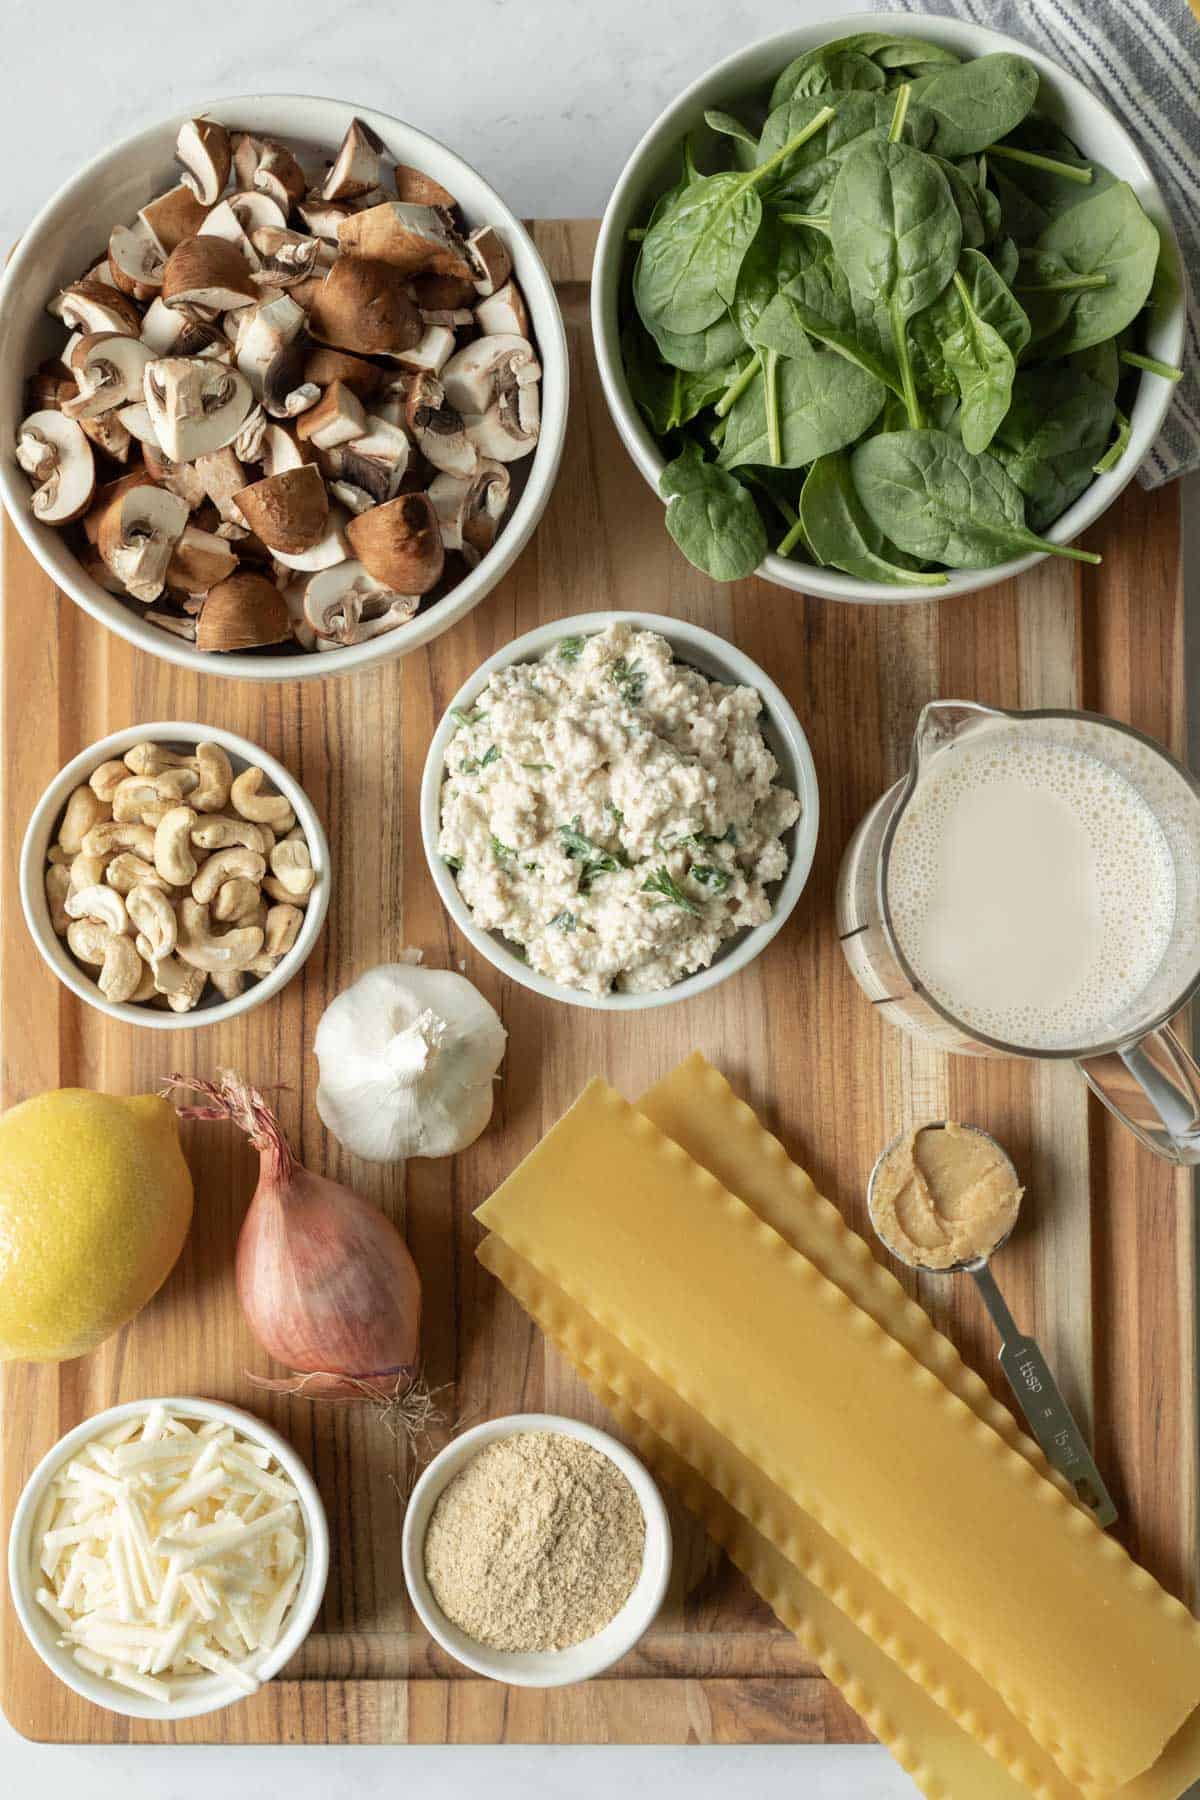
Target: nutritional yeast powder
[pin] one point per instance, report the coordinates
(536, 1544)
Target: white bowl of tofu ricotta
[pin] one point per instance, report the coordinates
(619, 810)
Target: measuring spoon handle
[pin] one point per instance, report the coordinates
(1047, 1413)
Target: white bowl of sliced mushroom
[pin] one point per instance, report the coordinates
(278, 378)
(174, 875)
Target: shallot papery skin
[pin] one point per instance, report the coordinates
(325, 1280)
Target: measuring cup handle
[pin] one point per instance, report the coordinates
(1152, 1086)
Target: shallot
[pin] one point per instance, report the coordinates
(325, 1280)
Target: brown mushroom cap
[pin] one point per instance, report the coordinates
(409, 238)
(324, 365)
(207, 271)
(361, 306)
(287, 511)
(400, 543)
(204, 150)
(241, 613)
(419, 189)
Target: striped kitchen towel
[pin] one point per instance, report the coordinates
(1142, 57)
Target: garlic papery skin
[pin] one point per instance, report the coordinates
(407, 1058)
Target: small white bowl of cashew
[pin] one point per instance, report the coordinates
(221, 857)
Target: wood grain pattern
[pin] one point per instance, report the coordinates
(1102, 1265)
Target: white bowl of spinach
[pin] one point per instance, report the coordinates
(888, 314)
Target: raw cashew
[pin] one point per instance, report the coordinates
(263, 809)
(230, 951)
(172, 857)
(152, 759)
(220, 832)
(106, 839)
(182, 985)
(236, 901)
(83, 810)
(145, 989)
(283, 928)
(132, 796)
(291, 865)
(127, 871)
(87, 940)
(86, 871)
(58, 880)
(216, 778)
(228, 986)
(56, 854)
(223, 866)
(106, 779)
(121, 972)
(154, 814)
(103, 904)
(152, 912)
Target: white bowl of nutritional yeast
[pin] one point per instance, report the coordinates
(782, 732)
(539, 1668)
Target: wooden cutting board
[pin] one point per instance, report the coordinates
(1102, 1265)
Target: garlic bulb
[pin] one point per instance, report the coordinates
(407, 1057)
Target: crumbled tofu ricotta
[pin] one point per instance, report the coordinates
(613, 812)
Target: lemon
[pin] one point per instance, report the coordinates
(95, 1204)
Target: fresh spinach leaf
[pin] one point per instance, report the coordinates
(936, 500)
(808, 172)
(972, 335)
(881, 47)
(837, 71)
(840, 533)
(711, 517)
(1108, 235)
(974, 103)
(745, 144)
(1005, 258)
(967, 200)
(825, 402)
(1056, 430)
(896, 232)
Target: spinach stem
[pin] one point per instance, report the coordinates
(901, 112)
(771, 386)
(817, 221)
(1062, 284)
(1069, 550)
(738, 385)
(815, 124)
(635, 234)
(1068, 171)
(716, 436)
(908, 385)
(1151, 364)
(795, 536)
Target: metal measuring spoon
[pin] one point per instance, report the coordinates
(1049, 1417)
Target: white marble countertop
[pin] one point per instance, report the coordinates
(547, 98)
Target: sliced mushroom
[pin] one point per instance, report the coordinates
(248, 444)
(488, 256)
(509, 429)
(377, 461)
(271, 356)
(400, 543)
(469, 511)
(443, 295)
(337, 418)
(254, 211)
(431, 352)
(504, 313)
(136, 260)
(171, 331)
(196, 406)
(54, 452)
(419, 189)
(362, 306)
(223, 476)
(437, 429)
(174, 216)
(409, 238)
(355, 169)
(137, 422)
(209, 272)
(289, 511)
(110, 435)
(329, 548)
(287, 258)
(278, 175)
(203, 148)
(198, 562)
(90, 306)
(138, 532)
(474, 378)
(52, 384)
(282, 450)
(109, 368)
(241, 613)
(342, 604)
(102, 498)
(354, 499)
(223, 222)
(322, 217)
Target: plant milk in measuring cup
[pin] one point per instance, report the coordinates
(1033, 889)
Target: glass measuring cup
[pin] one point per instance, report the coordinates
(1138, 1067)
(1025, 1367)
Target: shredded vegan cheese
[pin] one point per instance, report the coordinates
(170, 1550)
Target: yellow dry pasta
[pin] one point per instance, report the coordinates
(820, 1399)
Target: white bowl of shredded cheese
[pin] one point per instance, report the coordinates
(168, 1557)
(619, 810)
